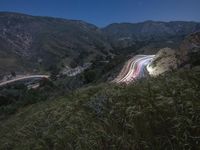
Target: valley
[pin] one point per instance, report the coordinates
(68, 84)
(35, 45)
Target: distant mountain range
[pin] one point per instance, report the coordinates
(149, 30)
(32, 43)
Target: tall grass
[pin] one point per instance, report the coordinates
(156, 113)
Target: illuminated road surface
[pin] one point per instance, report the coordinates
(134, 69)
(23, 78)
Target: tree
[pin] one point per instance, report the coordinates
(90, 76)
(13, 73)
(54, 71)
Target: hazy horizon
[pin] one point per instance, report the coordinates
(102, 13)
(105, 24)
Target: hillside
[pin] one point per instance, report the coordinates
(163, 115)
(152, 103)
(41, 42)
(189, 51)
(156, 34)
(186, 56)
(150, 30)
(32, 44)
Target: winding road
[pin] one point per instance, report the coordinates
(134, 69)
(28, 77)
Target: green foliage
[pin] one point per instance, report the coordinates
(90, 76)
(115, 62)
(102, 69)
(54, 71)
(15, 97)
(157, 113)
(195, 57)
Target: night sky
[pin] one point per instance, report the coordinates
(104, 12)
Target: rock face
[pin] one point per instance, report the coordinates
(187, 56)
(75, 71)
(164, 60)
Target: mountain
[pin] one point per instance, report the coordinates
(33, 41)
(40, 44)
(82, 112)
(158, 34)
(149, 30)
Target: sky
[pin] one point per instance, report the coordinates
(104, 12)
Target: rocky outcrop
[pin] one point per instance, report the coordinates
(74, 71)
(187, 56)
(189, 53)
(165, 60)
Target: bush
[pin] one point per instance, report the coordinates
(157, 113)
(90, 76)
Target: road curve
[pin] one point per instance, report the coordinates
(23, 78)
(134, 69)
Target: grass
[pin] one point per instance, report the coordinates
(157, 113)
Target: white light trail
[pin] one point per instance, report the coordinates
(134, 69)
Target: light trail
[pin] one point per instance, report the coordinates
(134, 69)
(23, 78)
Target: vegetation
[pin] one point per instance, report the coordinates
(17, 96)
(100, 71)
(156, 113)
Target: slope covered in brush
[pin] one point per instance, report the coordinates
(156, 113)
